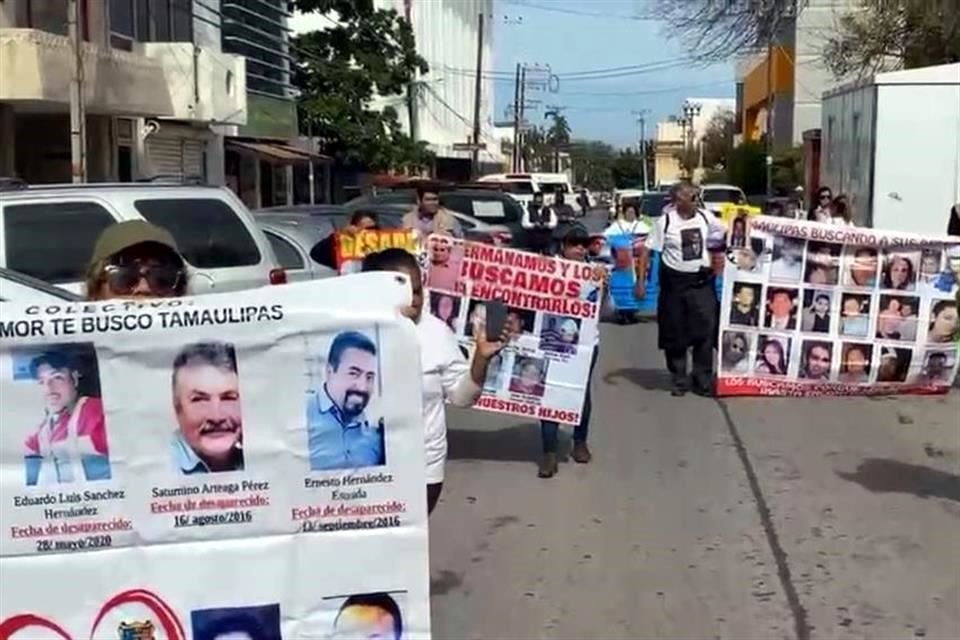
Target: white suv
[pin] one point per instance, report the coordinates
(48, 231)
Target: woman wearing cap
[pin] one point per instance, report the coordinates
(574, 242)
(135, 259)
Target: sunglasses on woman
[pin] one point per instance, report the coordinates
(161, 278)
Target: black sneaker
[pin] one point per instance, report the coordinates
(679, 390)
(704, 391)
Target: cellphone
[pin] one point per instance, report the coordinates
(496, 319)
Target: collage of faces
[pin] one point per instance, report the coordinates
(817, 311)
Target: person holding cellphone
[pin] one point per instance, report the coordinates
(573, 245)
(447, 376)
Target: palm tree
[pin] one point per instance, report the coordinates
(558, 135)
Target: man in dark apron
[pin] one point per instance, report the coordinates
(539, 223)
(687, 311)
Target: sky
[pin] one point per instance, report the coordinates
(584, 35)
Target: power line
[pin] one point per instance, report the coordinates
(580, 12)
(647, 92)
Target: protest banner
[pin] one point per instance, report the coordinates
(552, 314)
(352, 248)
(816, 309)
(180, 468)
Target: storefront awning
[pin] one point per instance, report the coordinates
(277, 152)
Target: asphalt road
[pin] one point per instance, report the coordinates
(742, 519)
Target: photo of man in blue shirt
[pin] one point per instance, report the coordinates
(339, 434)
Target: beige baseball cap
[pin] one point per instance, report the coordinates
(124, 235)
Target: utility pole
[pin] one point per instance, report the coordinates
(78, 128)
(523, 97)
(475, 164)
(412, 87)
(770, 122)
(642, 119)
(515, 160)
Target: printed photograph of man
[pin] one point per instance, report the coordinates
(937, 366)
(787, 263)
(237, 623)
(855, 363)
(735, 352)
(446, 258)
(894, 364)
(816, 311)
(447, 308)
(529, 376)
(855, 315)
(773, 356)
(823, 259)
(944, 323)
(369, 616)
(70, 442)
(815, 360)
(559, 334)
(519, 321)
(745, 306)
(861, 267)
(782, 309)
(930, 260)
(897, 319)
(339, 434)
(206, 401)
(738, 232)
(900, 271)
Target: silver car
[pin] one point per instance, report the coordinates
(21, 289)
(298, 242)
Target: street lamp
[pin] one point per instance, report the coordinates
(691, 110)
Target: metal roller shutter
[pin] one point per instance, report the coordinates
(193, 164)
(165, 155)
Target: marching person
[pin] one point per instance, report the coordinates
(429, 217)
(821, 210)
(687, 304)
(135, 260)
(574, 242)
(626, 236)
(538, 223)
(447, 377)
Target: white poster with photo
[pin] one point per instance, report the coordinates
(552, 311)
(815, 309)
(200, 465)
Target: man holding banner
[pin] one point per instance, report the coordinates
(687, 305)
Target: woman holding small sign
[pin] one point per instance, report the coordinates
(447, 376)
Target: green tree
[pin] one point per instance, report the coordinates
(369, 52)
(717, 140)
(747, 167)
(628, 170)
(592, 162)
(901, 33)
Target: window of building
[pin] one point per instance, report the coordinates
(831, 143)
(257, 32)
(53, 241)
(122, 24)
(51, 16)
(208, 232)
(855, 145)
(150, 21)
(287, 255)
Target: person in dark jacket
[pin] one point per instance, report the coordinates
(539, 223)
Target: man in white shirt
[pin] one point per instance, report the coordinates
(687, 306)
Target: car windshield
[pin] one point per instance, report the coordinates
(488, 207)
(553, 187)
(722, 195)
(523, 188)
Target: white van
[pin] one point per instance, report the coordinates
(48, 231)
(549, 184)
(518, 185)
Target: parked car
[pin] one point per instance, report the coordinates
(48, 231)
(294, 245)
(21, 289)
(714, 196)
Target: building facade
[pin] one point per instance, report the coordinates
(779, 91)
(446, 33)
(153, 96)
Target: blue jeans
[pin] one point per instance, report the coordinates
(550, 431)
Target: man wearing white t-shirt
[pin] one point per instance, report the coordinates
(687, 304)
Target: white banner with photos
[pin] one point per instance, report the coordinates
(815, 309)
(242, 465)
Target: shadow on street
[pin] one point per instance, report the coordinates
(882, 475)
(519, 443)
(650, 379)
